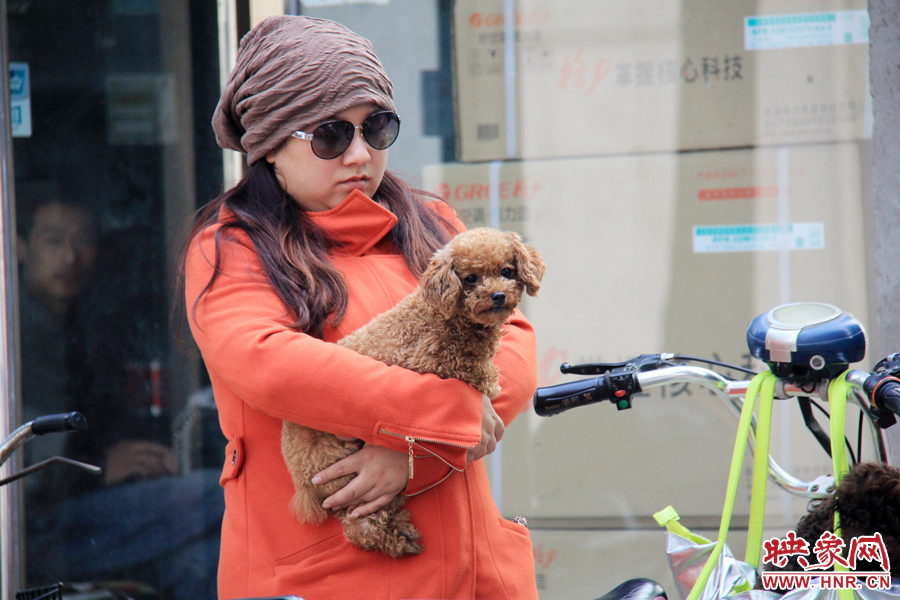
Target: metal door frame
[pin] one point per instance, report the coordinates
(12, 563)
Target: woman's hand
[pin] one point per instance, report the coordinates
(492, 429)
(381, 474)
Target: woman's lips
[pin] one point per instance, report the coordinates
(356, 183)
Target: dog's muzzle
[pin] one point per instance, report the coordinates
(499, 299)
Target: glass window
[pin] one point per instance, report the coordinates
(112, 151)
(683, 166)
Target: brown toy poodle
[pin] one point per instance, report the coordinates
(450, 326)
(868, 502)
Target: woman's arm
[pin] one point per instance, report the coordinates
(517, 361)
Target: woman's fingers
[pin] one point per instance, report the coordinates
(381, 475)
(369, 507)
(499, 428)
(492, 430)
(345, 466)
(344, 497)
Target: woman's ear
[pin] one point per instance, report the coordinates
(529, 264)
(440, 284)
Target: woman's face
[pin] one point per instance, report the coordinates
(317, 184)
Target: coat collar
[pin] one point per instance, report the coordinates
(358, 223)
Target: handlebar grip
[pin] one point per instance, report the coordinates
(552, 400)
(886, 395)
(73, 421)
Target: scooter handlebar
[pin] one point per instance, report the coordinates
(59, 423)
(552, 400)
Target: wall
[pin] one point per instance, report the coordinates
(884, 73)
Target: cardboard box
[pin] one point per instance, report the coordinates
(633, 269)
(608, 77)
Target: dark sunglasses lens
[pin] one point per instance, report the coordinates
(381, 129)
(332, 139)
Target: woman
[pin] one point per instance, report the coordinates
(316, 240)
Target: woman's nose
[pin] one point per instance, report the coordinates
(358, 152)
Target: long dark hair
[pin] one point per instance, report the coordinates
(294, 252)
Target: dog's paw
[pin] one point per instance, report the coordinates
(406, 533)
(398, 544)
(403, 527)
(412, 547)
(389, 532)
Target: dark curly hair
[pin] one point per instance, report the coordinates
(868, 502)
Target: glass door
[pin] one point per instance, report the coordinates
(112, 151)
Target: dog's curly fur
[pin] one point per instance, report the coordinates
(450, 326)
(868, 502)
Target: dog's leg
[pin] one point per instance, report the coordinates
(307, 507)
(387, 530)
(306, 452)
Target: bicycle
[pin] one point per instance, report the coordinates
(58, 423)
(49, 424)
(807, 348)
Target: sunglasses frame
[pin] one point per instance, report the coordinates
(310, 136)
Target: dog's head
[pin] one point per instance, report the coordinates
(482, 274)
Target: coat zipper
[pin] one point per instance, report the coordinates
(413, 441)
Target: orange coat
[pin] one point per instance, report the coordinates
(262, 372)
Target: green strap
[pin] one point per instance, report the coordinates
(837, 400)
(762, 387)
(760, 471)
(669, 518)
(756, 384)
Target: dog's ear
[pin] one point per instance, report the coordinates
(529, 264)
(440, 284)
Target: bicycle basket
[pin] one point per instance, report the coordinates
(50, 592)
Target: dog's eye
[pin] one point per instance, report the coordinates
(507, 272)
(471, 279)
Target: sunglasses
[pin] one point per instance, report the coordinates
(332, 139)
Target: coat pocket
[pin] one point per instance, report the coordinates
(321, 551)
(234, 460)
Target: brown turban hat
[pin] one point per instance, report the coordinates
(291, 73)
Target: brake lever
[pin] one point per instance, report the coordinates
(620, 378)
(890, 366)
(887, 368)
(644, 362)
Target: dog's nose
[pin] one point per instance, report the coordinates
(499, 298)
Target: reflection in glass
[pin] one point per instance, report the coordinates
(103, 174)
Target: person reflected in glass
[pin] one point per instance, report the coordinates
(136, 520)
(315, 240)
(57, 251)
